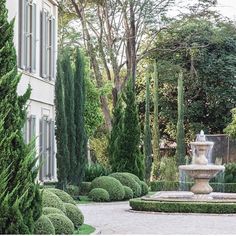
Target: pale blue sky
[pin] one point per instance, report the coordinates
(227, 8)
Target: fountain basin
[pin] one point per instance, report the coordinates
(201, 175)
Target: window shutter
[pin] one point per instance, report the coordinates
(23, 32)
(45, 147)
(53, 47)
(27, 46)
(41, 174)
(32, 127)
(51, 154)
(24, 131)
(43, 43)
(33, 46)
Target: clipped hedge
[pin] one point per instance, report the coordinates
(185, 207)
(144, 188)
(85, 188)
(44, 226)
(99, 195)
(52, 210)
(74, 214)
(112, 185)
(128, 193)
(127, 180)
(49, 199)
(62, 224)
(175, 186)
(65, 197)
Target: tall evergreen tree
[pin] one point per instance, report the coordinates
(68, 82)
(180, 151)
(20, 200)
(129, 156)
(79, 101)
(156, 132)
(114, 140)
(147, 134)
(61, 128)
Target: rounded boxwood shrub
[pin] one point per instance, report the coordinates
(74, 214)
(127, 180)
(65, 197)
(99, 195)
(135, 177)
(44, 226)
(52, 210)
(112, 185)
(128, 193)
(50, 199)
(144, 188)
(62, 224)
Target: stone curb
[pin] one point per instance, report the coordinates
(179, 213)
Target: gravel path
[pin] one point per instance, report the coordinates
(116, 218)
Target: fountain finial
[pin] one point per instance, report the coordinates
(201, 136)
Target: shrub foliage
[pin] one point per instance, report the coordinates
(99, 195)
(112, 185)
(62, 224)
(44, 226)
(74, 214)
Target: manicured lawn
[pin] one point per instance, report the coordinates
(85, 230)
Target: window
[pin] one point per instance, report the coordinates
(47, 153)
(48, 41)
(27, 48)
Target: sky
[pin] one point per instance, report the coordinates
(227, 8)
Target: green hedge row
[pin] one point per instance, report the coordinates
(185, 207)
(175, 186)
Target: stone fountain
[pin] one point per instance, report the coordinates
(200, 199)
(200, 170)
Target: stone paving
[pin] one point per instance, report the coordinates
(116, 218)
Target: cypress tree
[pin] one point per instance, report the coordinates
(156, 133)
(61, 128)
(20, 200)
(129, 156)
(79, 101)
(114, 140)
(180, 151)
(147, 134)
(68, 82)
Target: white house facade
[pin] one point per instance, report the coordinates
(35, 40)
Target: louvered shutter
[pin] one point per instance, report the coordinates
(41, 174)
(43, 43)
(32, 131)
(27, 20)
(23, 33)
(53, 47)
(51, 145)
(33, 35)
